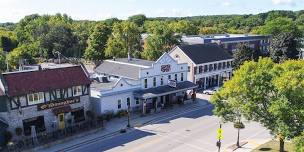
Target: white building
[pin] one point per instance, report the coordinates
(146, 85)
(208, 64)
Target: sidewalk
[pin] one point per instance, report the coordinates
(113, 127)
(249, 146)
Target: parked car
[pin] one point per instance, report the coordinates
(210, 91)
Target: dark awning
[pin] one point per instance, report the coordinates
(164, 90)
(64, 109)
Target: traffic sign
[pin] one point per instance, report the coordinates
(219, 133)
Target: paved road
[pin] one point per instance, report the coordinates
(192, 131)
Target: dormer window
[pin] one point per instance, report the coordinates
(77, 91)
(35, 98)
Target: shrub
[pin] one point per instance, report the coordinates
(109, 115)
(121, 113)
(18, 131)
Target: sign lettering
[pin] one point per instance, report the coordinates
(50, 105)
(172, 83)
(165, 68)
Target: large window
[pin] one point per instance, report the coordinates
(215, 66)
(175, 77)
(200, 69)
(119, 104)
(77, 91)
(35, 98)
(146, 83)
(161, 81)
(205, 68)
(154, 82)
(128, 102)
(210, 67)
(182, 76)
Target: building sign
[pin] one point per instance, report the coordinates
(50, 105)
(165, 68)
(172, 83)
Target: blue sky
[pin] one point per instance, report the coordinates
(14, 10)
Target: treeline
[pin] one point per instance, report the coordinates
(37, 37)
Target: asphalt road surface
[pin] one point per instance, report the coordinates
(193, 131)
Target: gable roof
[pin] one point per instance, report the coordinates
(118, 69)
(21, 83)
(204, 53)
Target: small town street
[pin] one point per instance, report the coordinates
(190, 130)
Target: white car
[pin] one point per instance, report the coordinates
(210, 91)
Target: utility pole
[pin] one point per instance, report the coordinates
(219, 136)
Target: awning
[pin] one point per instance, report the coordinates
(63, 109)
(164, 90)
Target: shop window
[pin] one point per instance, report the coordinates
(182, 76)
(137, 101)
(77, 91)
(35, 98)
(38, 122)
(154, 82)
(175, 76)
(119, 104)
(146, 83)
(78, 115)
(161, 81)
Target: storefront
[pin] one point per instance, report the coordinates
(162, 96)
(38, 122)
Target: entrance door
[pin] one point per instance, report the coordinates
(61, 120)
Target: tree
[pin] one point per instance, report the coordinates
(161, 38)
(139, 19)
(2, 61)
(18, 54)
(299, 143)
(125, 38)
(184, 27)
(269, 93)
(97, 42)
(284, 46)
(238, 125)
(244, 53)
(278, 26)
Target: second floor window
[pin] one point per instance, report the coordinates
(215, 66)
(210, 67)
(128, 102)
(35, 98)
(200, 69)
(58, 94)
(220, 66)
(224, 65)
(175, 76)
(77, 91)
(205, 68)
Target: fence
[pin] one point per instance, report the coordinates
(49, 137)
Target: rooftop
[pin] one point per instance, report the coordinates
(24, 82)
(204, 53)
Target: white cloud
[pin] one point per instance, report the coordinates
(226, 4)
(283, 2)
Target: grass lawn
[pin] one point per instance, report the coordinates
(273, 146)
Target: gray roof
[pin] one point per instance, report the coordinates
(103, 85)
(135, 61)
(118, 69)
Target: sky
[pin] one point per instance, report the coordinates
(14, 10)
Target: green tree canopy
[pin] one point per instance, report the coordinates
(97, 42)
(269, 93)
(184, 27)
(139, 19)
(125, 38)
(244, 53)
(18, 54)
